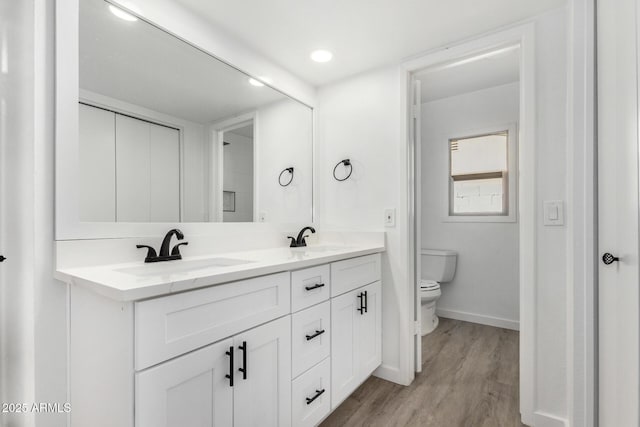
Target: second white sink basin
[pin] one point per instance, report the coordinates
(181, 266)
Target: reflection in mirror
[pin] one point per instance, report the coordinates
(168, 133)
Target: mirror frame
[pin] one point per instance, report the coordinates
(67, 93)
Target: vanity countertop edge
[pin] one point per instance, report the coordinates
(107, 281)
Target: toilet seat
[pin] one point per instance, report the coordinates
(429, 285)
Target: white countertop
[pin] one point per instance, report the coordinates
(137, 280)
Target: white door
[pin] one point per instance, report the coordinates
(190, 391)
(370, 331)
(344, 348)
(262, 389)
(618, 213)
(147, 171)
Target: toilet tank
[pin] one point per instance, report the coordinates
(438, 264)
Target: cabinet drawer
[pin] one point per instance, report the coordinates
(311, 337)
(305, 388)
(310, 286)
(175, 324)
(353, 273)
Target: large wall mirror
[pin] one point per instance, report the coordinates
(168, 133)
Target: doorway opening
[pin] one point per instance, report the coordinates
(470, 141)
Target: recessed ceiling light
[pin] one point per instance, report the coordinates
(122, 14)
(321, 55)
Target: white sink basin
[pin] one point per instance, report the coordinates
(181, 266)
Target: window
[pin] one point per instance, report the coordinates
(479, 174)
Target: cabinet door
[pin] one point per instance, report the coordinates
(262, 390)
(345, 357)
(370, 331)
(189, 391)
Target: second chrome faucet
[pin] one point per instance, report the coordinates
(152, 256)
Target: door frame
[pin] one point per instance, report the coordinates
(216, 157)
(522, 35)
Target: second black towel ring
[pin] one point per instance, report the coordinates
(290, 170)
(345, 163)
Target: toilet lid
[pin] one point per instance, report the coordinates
(429, 285)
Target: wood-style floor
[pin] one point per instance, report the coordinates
(469, 379)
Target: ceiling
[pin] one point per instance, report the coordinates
(137, 63)
(487, 70)
(363, 34)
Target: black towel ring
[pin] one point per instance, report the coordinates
(345, 163)
(290, 170)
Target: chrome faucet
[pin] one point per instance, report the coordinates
(164, 248)
(300, 241)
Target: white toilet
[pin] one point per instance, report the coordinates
(438, 266)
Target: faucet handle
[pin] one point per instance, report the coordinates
(176, 249)
(303, 242)
(151, 253)
(293, 241)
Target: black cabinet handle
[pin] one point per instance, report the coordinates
(317, 395)
(317, 334)
(310, 288)
(609, 259)
(2, 258)
(230, 375)
(361, 298)
(366, 302)
(243, 347)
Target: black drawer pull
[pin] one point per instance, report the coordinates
(366, 302)
(243, 347)
(317, 395)
(361, 298)
(230, 374)
(317, 334)
(310, 288)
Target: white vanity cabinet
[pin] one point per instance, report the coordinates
(279, 350)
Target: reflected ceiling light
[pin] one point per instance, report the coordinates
(321, 55)
(122, 14)
(254, 82)
(260, 81)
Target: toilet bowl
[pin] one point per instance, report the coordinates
(438, 266)
(429, 294)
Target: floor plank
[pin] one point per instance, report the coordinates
(469, 379)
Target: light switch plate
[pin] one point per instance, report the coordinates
(390, 217)
(553, 212)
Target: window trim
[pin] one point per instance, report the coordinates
(509, 178)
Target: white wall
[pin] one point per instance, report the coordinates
(283, 139)
(485, 286)
(238, 176)
(32, 303)
(359, 118)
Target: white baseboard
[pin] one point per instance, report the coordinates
(478, 318)
(542, 419)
